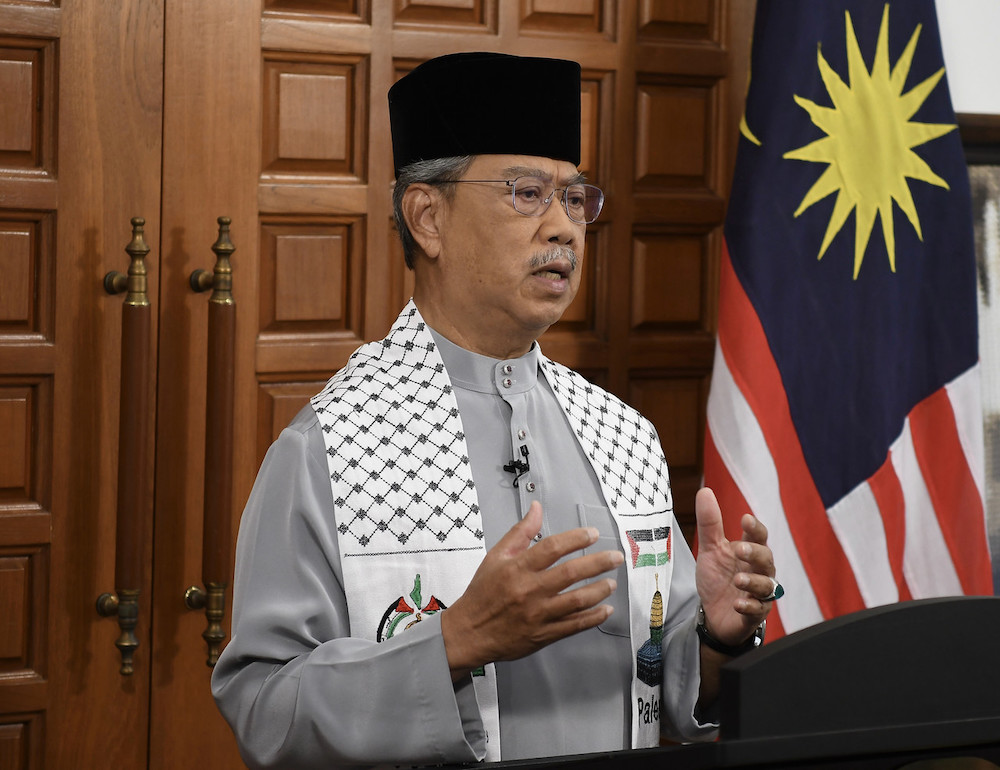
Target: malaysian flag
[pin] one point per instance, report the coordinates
(845, 406)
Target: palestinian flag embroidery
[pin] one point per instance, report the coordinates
(650, 547)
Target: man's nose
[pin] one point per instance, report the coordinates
(563, 228)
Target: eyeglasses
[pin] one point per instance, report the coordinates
(582, 202)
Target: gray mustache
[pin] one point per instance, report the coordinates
(542, 258)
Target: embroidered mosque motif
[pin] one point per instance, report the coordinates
(649, 659)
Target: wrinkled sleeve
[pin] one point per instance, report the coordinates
(296, 688)
(682, 652)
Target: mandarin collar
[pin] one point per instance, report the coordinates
(483, 374)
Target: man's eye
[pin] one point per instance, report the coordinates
(529, 193)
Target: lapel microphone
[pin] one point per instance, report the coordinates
(518, 467)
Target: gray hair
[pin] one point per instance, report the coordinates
(438, 172)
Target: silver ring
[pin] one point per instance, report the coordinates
(777, 591)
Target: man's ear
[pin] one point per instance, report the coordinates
(422, 205)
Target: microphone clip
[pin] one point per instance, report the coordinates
(518, 467)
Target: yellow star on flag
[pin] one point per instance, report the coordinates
(869, 142)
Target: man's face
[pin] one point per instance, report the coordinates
(506, 277)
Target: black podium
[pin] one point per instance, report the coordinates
(881, 688)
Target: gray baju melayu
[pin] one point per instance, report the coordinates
(299, 691)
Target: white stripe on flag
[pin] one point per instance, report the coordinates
(741, 445)
(857, 521)
(926, 561)
(966, 397)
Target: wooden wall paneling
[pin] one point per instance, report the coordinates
(316, 302)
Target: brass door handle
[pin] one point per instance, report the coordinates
(217, 522)
(134, 398)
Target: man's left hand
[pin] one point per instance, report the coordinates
(734, 578)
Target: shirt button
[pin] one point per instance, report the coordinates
(538, 537)
(522, 433)
(530, 486)
(507, 369)
(507, 382)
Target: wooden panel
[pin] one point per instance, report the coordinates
(310, 277)
(24, 524)
(350, 10)
(675, 123)
(291, 196)
(677, 19)
(568, 17)
(596, 103)
(15, 446)
(13, 746)
(27, 104)
(23, 665)
(39, 18)
(15, 609)
(279, 403)
(26, 282)
(471, 15)
(310, 281)
(668, 281)
(280, 354)
(17, 119)
(25, 447)
(22, 741)
(314, 119)
(313, 33)
(17, 265)
(672, 405)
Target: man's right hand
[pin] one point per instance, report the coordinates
(517, 601)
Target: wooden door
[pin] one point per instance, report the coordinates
(80, 115)
(273, 113)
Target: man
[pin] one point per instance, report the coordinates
(461, 550)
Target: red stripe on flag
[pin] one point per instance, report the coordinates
(888, 494)
(726, 490)
(952, 490)
(748, 355)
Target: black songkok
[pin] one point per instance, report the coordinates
(486, 104)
